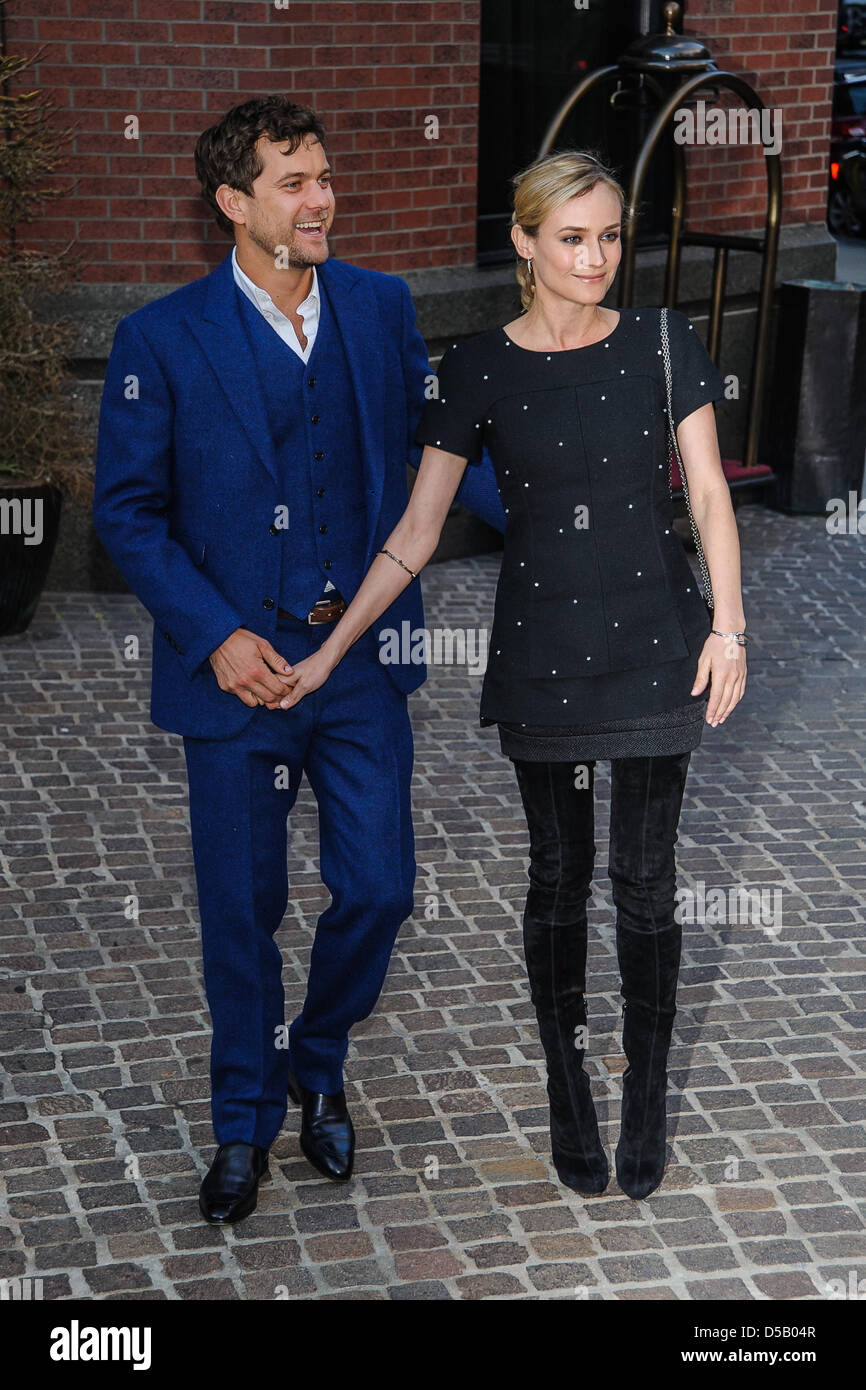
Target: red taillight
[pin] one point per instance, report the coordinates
(834, 170)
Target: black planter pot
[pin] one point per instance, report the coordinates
(23, 563)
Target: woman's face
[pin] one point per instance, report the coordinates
(578, 248)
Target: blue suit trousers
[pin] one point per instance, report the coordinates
(353, 739)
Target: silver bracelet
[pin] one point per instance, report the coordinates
(398, 561)
(740, 637)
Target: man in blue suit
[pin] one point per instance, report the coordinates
(253, 441)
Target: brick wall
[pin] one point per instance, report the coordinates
(374, 71)
(786, 51)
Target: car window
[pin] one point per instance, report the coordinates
(857, 97)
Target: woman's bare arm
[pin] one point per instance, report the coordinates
(414, 540)
(722, 661)
(710, 499)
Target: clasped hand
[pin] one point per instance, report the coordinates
(248, 666)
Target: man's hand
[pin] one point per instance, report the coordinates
(247, 666)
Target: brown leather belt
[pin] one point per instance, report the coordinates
(325, 611)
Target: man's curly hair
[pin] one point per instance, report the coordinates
(226, 152)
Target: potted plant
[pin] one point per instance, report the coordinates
(44, 445)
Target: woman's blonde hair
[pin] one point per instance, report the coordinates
(545, 185)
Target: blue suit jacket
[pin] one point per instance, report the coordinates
(186, 480)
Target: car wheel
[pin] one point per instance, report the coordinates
(841, 217)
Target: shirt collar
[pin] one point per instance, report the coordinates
(261, 297)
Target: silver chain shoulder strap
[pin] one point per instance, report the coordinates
(672, 434)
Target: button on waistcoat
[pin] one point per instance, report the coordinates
(314, 427)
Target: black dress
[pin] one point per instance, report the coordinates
(598, 620)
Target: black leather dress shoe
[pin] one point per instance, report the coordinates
(327, 1135)
(230, 1190)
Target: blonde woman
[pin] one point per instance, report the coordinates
(602, 646)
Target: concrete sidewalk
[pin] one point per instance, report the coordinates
(105, 1117)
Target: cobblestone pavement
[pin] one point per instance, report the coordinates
(105, 1115)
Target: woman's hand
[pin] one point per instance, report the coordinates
(723, 662)
(307, 676)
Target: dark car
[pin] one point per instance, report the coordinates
(851, 27)
(846, 206)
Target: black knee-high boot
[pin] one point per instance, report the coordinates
(646, 797)
(555, 940)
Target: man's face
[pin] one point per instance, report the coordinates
(292, 203)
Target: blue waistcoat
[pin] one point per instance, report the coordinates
(314, 426)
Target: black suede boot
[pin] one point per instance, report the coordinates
(642, 1147)
(578, 1154)
(555, 940)
(646, 797)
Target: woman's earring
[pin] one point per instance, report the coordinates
(529, 265)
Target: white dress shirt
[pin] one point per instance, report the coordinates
(283, 326)
(308, 310)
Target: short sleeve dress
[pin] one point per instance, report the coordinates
(598, 621)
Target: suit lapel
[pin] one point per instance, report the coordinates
(356, 315)
(221, 334)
